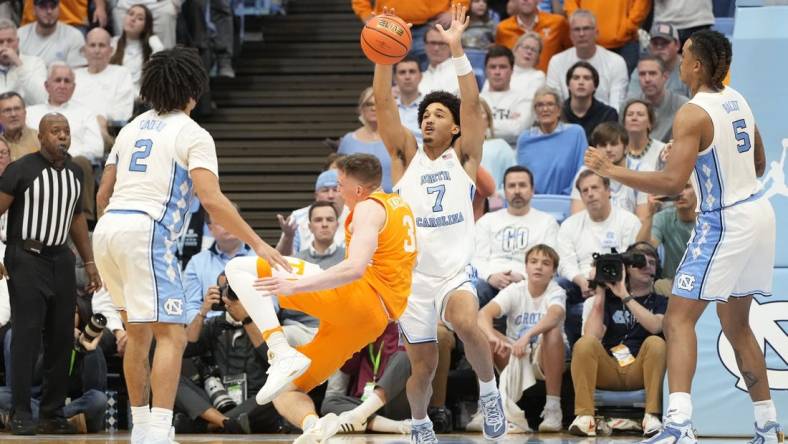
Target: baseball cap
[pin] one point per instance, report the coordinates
(664, 30)
(326, 179)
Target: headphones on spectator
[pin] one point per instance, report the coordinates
(647, 249)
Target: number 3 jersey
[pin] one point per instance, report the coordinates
(440, 194)
(153, 155)
(724, 172)
(390, 271)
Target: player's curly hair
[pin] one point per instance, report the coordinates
(446, 99)
(171, 77)
(714, 52)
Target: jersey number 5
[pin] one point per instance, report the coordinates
(743, 139)
(137, 156)
(410, 241)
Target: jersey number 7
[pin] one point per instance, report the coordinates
(137, 156)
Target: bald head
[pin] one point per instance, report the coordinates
(54, 134)
(50, 118)
(97, 49)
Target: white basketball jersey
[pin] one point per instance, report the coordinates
(153, 155)
(440, 194)
(724, 172)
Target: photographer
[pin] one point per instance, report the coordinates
(239, 353)
(621, 347)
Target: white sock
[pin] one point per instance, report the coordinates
(381, 424)
(679, 407)
(277, 342)
(764, 412)
(487, 388)
(370, 405)
(552, 403)
(241, 273)
(418, 422)
(160, 421)
(140, 418)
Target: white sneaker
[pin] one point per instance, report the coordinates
(516, 417)
(552, 420)
(583, 426)
(518, 427)
(323, 429)
(138, 433)
(285, 368)
(771, 433)
(651, 425)
(476, 422)
(624, 424)
(349, 423)
(170, 439)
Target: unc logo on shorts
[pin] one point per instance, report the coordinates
(685, 281)
(173, 307)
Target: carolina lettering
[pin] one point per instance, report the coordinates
(439, 221)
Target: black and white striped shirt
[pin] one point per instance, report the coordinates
(45, 199)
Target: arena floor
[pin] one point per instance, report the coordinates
(341, 439)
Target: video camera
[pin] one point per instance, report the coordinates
(224, 291)
(610, 266)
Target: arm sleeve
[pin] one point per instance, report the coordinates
(102, 303)
(483, 247)
(554, 75)
(619, 82)
(551, 235)
(658, 226)
(557, 297)
(32, 75)
(11, 178)
(200, 148)
(505, 300)
(569, 267)
(91, 143)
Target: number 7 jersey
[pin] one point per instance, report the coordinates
(153, 155)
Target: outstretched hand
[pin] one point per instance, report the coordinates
(597, 161)
(459, 23)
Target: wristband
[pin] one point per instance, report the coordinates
(627, 299)
(247, 320)
(462, 65)
(89, 263)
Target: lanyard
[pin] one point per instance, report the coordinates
(376, 359)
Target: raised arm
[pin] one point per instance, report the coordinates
(399, 142)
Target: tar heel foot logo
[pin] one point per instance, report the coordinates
(774, 181)
(173, 307)
(764, 320)
(685, 281)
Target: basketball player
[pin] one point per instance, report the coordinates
(159, 159)
(437, 180)
(354, 300)
(730, 255)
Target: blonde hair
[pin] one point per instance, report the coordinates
(530, 35)
(488, 110)
(365, 95)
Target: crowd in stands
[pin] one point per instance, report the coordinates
(556, 77)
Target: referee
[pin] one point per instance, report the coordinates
(42, 193)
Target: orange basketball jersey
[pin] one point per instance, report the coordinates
(391, 270)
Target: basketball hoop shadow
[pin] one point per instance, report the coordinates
(776, 176)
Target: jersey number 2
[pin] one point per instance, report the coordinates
(410, 241)
(137, 156)
(743, 139)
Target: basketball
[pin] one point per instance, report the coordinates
(385, 39)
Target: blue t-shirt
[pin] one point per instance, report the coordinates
(497, 157)
(554, 158)
(351, 145)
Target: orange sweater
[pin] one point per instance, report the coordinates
(72, 12)
(412, 11)
(617, 20)
(553, 28)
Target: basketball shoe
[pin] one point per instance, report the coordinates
(285, 368)
(495, 425)
(673, 433)
(423, 434)
(771, 433)
(323, 429)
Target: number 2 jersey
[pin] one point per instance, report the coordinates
(724, 172)
(390, 271)
(153, 155)
(440, 193)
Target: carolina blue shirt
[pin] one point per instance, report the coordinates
(201, 272)
(351, 145)
(497, 156)
(554, 158)
(409, 116)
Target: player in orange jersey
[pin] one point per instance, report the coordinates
(354, 300)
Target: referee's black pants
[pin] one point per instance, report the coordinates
(42, 293)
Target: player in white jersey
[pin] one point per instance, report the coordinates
(437, 181)
(158, 162)
(730, 255)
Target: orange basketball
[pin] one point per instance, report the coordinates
(385, 39)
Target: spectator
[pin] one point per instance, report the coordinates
(497, 155)
(687, 17)
(72, 12)
(136, 43)
(582, 107)
(102, 303)
(440, 74)
(504, 236)
(565, 142)
(407, 78)
(21, 139)
(552, 28)
(295, 229)
(165, 16)
(105, 89)
(22, 73)
(525, 77)
(653, 79)
(664, 43)
(511, 108)
(367, 139)
(534, 345)
(369, 382)
(597, 229)
(643, 151)
(323, 251)
(612, 138)
(619, 22)
(621, 347)
(480, 33)
(50, 39)
(613, 74)
(670, 228)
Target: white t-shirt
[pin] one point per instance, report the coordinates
(442, 77)
(579, 237)
(502, 240)
(613, 75)
(109, 93)
(63, 45)
(511, 112)
(523, 310)
(684, 14)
